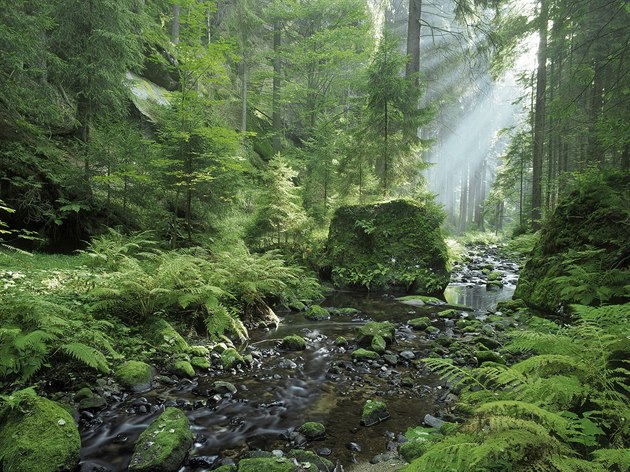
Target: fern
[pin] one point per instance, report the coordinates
(613, 459)
(221, 321)
(86, 355)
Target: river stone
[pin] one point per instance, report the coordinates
(363, 355)
(378, 344)
(367, 332)
(267, 464)
(312, 430)
(409, 355)
(420, 324)
(135, 375)
(94, 402)
(199, 362)
(287, 364)
(341, 341)
(231, 358)
(374, 412)
(163, 446)
(221, 386)
(488, 356)
(312, 458)
(183, 369)
(391, 359)
(293, 343)
(402, 236)
(317, 313)
(38, 436)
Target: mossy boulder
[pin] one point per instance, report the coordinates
(231, 358)
(419, 300)
(413, 449)
(450, 313)
(378, 345)
(374, 412)
(364, 355)
(587, 236)
(420, 324)
(488, 356)
(161, 334)
(321, 463)
(312, 430)
(341, 341)
(39, 436)
(164, 445)
(199, 362)
(267, 464)
(391, 245)
(135, 375)
(317, 313)
(367, 332)
(183, 369)
(293, 343)
(200, 351)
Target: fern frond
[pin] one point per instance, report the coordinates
(87, 355)
(552, 421)
(451, 373)
(613, 459)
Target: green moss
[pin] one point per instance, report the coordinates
(293, 343)
(510, 306)
(201, 363)
(322, 463)
(396, 244)
(385, 330)
(312, 430)
(183, 369)
(450, 313)
(420, 323)
(38, 436)
(231, 358)
(378, 345)
(433, 329)
(199, 351)
(163, 446)
(413, 449)
(134, 375)
(317, 313)
(488, 356)
(341, 341)
(264, 464)
(165, 337)
(346, 311)
(374, 412)
(85, 392)
(363, 355)
(226, 468)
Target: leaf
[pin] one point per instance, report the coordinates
(87, 355)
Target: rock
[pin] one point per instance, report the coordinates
(450, 313)
(231, 358)
(135, 375)
(432, 421)
(94, 402)
(367, 332)
(201, 363)
(401, 235)
(293, 343)
(165, 337)
(163, 446)
(85, 392)
(220, 386)
(39, 435)
(341, 341)
(488, 356)
(307, 456)
(354, 447)
(199, 351)
(287, 364)
(345, 311)
(489, 342)
(391, 359)
(267, 464)
(378, 344)
(413, 449)
(206, 462)
(420, 324)
(363, 355)
(374, 412)
(433, 330)
(384, 457)
(226, 468)
(317, 313)
(312, 430)
(183, 369)
(494, 285)
(409, 355)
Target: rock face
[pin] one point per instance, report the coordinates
(587, 237)
(163, 446)
(42, 438)
(392, 245)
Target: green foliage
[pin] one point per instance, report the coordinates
(113, 248)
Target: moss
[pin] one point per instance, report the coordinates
(267, 465)
(364, 355)
(200, 351)
(346, 311)
(163, 446)
(450, 313)
(307, 456)
(374, 412)
(341, 341)
(317, 313)
(488, 356)
(39, 436)
(134, 375)
(199, 362)
(95, 402)
(312, 430)
(183, 369)
(420, 324)
(85, 392)
(510, 306)
(420, 300)
(378, 345)
(396, 244)
(433, 330)
(231, 358)
(385, 330)
(293, 343)
(413, 449)
(165, 337)
(226, 468)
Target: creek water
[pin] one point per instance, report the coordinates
(282, 390)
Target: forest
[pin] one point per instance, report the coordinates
(362, 235)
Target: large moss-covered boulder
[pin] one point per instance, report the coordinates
(38, 435)
(135, 375)
(165, 337)
(163, 446)
(583, 254)
(396, 244)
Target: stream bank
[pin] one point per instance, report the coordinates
(235, 412)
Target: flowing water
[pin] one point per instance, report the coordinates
(282, 390)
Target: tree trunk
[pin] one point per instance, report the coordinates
(276, 117)
(244, 95)
(539, 117)
(413, 39)
(175, 25)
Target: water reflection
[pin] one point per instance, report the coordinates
(477, 297)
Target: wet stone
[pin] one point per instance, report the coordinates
(202, 461)
(354, 447)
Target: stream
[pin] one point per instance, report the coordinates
(282, 390)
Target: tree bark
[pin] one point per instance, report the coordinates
(175, 25)
(413, 39)
(276, 117)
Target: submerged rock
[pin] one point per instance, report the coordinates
(374, 412)
(38, 436)
(401, 239)
(163, 446)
